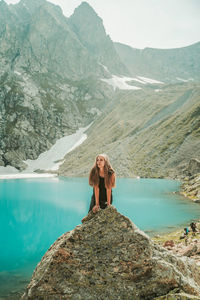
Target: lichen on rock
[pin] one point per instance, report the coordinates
(108, 257)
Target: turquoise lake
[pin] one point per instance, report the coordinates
(35, 212)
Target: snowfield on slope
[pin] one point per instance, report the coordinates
(122, 82)
(49, 160)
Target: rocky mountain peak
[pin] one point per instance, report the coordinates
(87, 24)
(85, 10)
(90, 30)
(108, 257)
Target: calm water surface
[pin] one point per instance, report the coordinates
(35, 212)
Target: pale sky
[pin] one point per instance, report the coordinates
(145, 23)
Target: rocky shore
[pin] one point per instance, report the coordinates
(182, 245)
(108, 257)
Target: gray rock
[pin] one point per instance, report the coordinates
(14, 159)
(108, 257)
(194, 166)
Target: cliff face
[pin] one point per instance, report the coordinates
(108, 257)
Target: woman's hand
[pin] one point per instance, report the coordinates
(95, 208)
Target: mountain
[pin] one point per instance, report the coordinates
(39, 38)
(58, 74)
(43, 41)
(50, 79)
(146, 133)
(168, 65)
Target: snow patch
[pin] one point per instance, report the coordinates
(53, 158)
(184, 80)
(139, 80)
(105, 68)
(149, 80)
(26, 175)
(120, 83)
(8, 170)
(18, 73)
(48, 160)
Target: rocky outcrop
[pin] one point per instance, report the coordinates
(188, 246)
(108, 257)
(190, 187)
(194, 166)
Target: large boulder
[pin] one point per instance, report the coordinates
(108, 257)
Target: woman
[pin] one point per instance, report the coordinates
(102, 178)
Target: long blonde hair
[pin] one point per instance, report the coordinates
(109, 173)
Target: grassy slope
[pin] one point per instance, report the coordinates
(144, 132)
